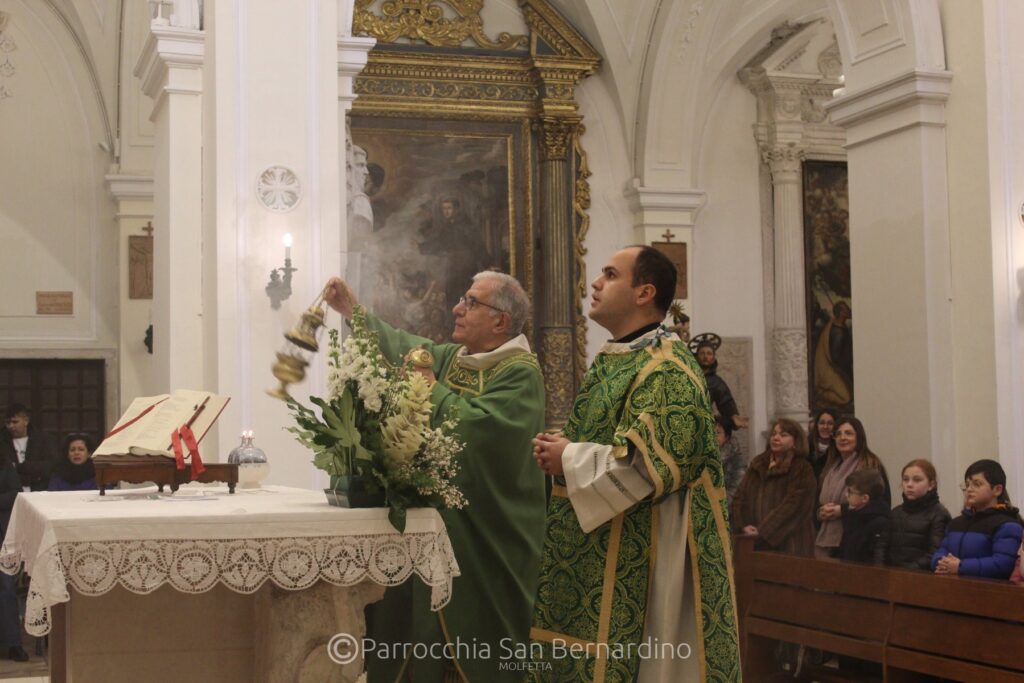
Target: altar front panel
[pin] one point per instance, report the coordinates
(271, 636)
(164, 637)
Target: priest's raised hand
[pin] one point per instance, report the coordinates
(340, 297)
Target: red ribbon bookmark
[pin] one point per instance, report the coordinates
(185, 433)
(193, 450)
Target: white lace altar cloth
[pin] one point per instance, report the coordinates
(192, 540)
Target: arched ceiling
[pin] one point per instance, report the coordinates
(667, 60)
(95, 28)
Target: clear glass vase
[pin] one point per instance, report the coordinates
(252, 462)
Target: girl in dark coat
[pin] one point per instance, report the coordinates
(985, 539)
(775, 499)
(917, 527)
(74, 471)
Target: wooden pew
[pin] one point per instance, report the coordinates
(911, 622)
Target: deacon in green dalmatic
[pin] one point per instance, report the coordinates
(638, 500)
(492, 380)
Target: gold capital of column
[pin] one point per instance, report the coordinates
(557, 137)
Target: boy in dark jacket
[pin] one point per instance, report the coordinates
(865, 518)
(985, 539)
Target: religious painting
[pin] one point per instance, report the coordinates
(676, 253)
(431, 204)
(140, 266)
(827, 267)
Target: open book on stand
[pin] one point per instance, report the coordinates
(152, 424)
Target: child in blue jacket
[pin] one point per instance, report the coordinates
(985, 539)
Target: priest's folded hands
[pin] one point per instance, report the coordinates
(547, 451)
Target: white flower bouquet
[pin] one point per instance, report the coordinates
(373, 434)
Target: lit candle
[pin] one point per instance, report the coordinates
(287, 241)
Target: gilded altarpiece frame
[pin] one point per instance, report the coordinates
(492, 114)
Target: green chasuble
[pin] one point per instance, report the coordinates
(643, 409)
(497, 538)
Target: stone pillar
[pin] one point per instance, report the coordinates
(171, 70)
(791, 77)
(789, 334)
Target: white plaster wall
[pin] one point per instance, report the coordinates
(136, 130)
(135, 160)
(728, 296)
(970, 237)
(270, 97)
(611, 221)
(55, 216)
(96, 25)
(621, 32)
(136, 363)
(1005, 99)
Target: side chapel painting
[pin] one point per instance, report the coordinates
(428, 210)
(829, 304)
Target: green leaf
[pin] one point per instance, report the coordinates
(330, 416)
(326, 461)
(363, 454)
(396, 515)
(347, 409)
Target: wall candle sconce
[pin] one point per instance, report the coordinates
(280, 286)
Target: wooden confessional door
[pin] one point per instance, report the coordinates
(63, 395)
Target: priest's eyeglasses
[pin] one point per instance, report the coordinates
(471, 302)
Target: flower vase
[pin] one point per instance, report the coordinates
(355, 491)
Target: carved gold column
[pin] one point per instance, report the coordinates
(559, 316)
(555, 313)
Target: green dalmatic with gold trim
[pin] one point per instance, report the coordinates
(648, 401)
(497, 539)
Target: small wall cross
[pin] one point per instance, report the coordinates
(148, 228)
(668, 235)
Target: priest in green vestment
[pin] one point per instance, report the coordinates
(636, 580)
(489, 376)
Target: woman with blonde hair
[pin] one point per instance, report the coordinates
(775, 499)
(849, 452)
